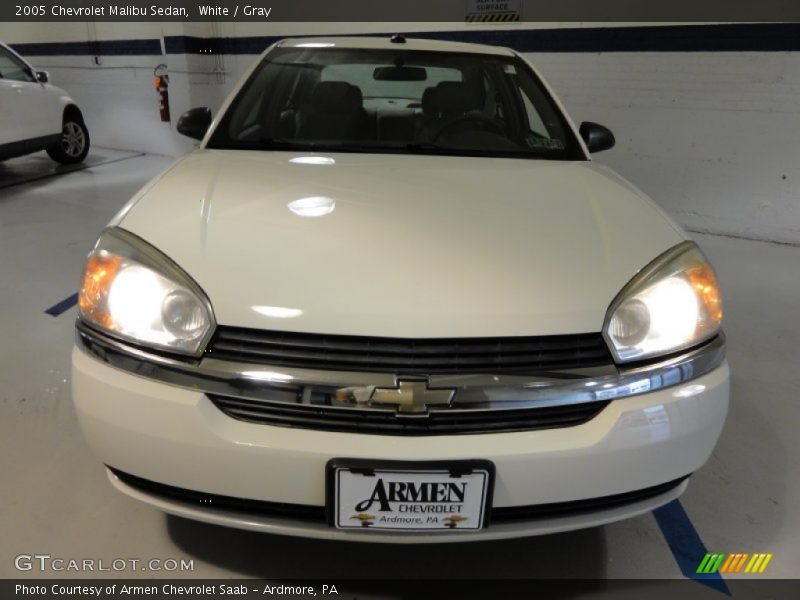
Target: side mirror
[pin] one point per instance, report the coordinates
(42, 76)
(597, 137)
(195, 122)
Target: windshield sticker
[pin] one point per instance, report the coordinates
(510, 69)
(550, 144)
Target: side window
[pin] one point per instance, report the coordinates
(251, 119)
(544, 127)
(494, 106)
(13, 68)
(263, 110)
(244, 118)
(535, 122)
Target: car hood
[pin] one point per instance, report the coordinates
(412, 246)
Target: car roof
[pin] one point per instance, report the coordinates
(385, 43)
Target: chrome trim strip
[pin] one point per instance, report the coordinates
(352, 390)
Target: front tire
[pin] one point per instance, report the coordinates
(74, 144)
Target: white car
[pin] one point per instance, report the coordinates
(36, 115)
(391, 298)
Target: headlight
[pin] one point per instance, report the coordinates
(672, 304)
(133, 291)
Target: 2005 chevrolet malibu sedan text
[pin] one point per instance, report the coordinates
(391, 298)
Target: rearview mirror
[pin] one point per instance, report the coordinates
(42, 76)
(399, 74)
(194, 123)
(597, 137)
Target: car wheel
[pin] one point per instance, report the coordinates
(74, 144)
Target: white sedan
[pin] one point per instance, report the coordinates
(391, 298)
(36, 115)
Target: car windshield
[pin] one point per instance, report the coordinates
(408, 101)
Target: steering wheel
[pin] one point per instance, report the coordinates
(481, 121)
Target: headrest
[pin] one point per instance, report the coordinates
(429, 101)
(450, 97)
(336, 97)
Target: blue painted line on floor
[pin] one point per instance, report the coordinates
(62, 306)
(686, 545)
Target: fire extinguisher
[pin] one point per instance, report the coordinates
(161, 83)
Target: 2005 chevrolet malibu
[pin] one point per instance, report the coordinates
(391, 298)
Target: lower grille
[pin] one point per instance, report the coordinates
(316, 514)
(512, 514)
(278, 510)
(386, 422)
(522, 355)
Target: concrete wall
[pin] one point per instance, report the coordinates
(117, 96)
(714, 137)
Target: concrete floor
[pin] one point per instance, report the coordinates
(56, 499)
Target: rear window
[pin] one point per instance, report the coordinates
(363, 77)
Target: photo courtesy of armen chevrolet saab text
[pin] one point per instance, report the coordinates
(391, 298)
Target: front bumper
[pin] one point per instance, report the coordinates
(176, 436)
(318, 529)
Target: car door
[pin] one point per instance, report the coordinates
(27, 105)
(11, 101)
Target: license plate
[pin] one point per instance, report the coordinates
(425, 497)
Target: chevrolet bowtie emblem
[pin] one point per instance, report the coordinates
(412, 396)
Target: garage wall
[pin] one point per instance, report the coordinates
(108, 69)
(713, 136)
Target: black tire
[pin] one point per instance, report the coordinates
(74, 144)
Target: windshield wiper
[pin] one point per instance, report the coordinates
(283, 144)
(313, 146)
(260, 144)
(426, 147)
(435, 148)
(421, 147)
